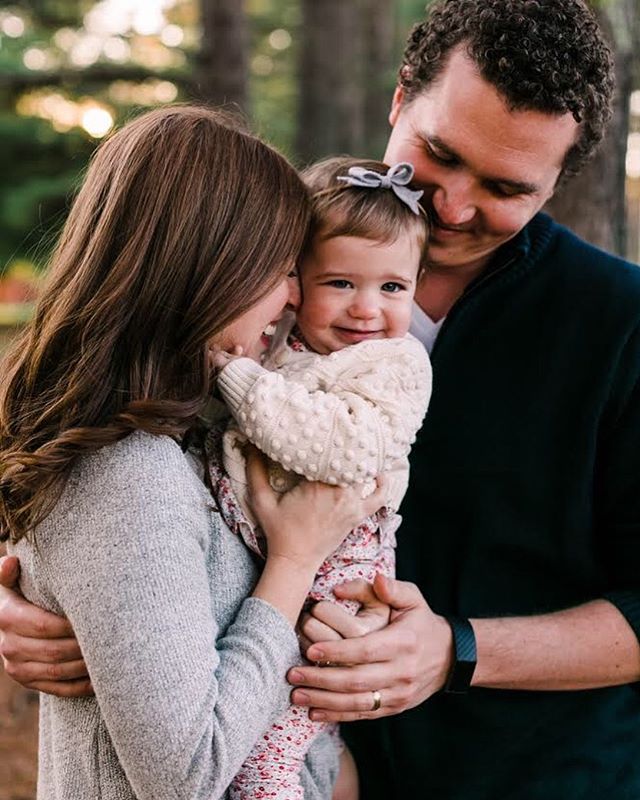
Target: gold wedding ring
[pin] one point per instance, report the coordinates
(377, 700)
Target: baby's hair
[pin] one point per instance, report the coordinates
(340, 209)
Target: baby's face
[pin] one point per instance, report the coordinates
(356, 289)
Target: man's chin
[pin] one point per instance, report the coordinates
(444, 258)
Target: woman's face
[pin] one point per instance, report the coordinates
(246, 331)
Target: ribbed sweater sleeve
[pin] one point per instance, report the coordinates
(128, 567)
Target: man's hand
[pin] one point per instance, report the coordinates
(38, 648)
(406, 662)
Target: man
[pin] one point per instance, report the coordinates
(523, 513)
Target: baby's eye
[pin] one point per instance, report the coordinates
(339, 283)
(393, 287)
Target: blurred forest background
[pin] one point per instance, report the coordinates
(313, 76)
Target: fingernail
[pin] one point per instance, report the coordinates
(301, 698)
(296, 677)
(318, 716)
(315, 655)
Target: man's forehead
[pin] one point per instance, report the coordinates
(460, 105)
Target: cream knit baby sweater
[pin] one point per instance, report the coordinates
(342, 418)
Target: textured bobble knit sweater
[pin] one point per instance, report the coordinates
(342, 418)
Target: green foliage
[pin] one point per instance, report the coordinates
(41, 161)
(38, 170)
(272, 85)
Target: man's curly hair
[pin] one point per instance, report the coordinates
(541, 55)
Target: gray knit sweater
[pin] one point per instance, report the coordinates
(187, 669)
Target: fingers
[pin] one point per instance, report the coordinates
(377, 498)
(335, 706)
(220, 358)
(334, 618)
(400, 595)
(260, 490)
(21, 617)
(359, 590)
(384, 645)
(77, 688)
(342, 680)
(313, 630)
(29, 672)
(9, 572)
(50, 651)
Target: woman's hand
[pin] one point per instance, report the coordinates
(38, 648)
(302, 527)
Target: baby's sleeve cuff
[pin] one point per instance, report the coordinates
(237, 379)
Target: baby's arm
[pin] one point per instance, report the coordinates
(360, 416)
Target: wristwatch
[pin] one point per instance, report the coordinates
(465, 656)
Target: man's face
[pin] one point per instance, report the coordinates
(485, 170)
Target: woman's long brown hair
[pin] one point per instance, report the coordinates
(184, 221)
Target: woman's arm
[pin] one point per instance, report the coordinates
(182, 710)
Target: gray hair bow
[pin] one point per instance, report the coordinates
(397, 178)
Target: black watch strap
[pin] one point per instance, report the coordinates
(465, 656)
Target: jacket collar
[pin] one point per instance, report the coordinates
(523, 250)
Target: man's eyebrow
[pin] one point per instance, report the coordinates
(521, 187)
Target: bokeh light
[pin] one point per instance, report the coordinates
(262, 65)
(633, 156)
(172, 35)
(97, 122)
(35, 58)
(12, 26)
(280, 39)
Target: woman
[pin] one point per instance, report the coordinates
(180, 240)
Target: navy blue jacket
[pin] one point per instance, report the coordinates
(524, 498)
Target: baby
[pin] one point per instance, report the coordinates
(339, 398)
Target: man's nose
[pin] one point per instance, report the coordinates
(453, 201)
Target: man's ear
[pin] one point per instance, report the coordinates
(396, 105)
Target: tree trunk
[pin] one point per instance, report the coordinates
(222, 73)
(378, 21)
(331, 108)
(593, 203)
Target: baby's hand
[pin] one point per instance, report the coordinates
(218, 359)
(327, 621)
